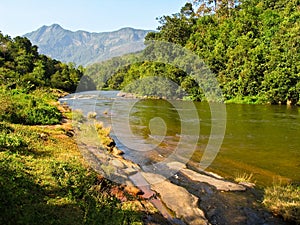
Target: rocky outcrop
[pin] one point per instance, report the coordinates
(177, 199)
(219, 184)
(157, 188)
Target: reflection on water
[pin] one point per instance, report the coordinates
(259, 139)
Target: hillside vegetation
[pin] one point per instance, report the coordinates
(251, 46)
(21, 66)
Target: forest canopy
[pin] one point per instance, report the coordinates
(251, 46)
(21, 66)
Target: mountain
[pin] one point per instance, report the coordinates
(82, 47)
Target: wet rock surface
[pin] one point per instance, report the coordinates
(192, 197)
(177, 199)
(228, 207)
(219, 184)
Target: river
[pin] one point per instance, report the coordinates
(262, 140)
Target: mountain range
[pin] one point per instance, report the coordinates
(82, 47)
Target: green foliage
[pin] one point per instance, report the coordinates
(9, 139)
(51, 184)
(254, 51)
(154, 79)
(176, 28)
(252, 47)
(19, 107)
(99, 73)
(22, 66)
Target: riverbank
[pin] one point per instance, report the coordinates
(200, 195)
(44, 178)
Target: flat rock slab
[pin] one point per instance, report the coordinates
(219, 184)
(177, 199)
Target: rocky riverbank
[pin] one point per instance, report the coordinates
(186, 197)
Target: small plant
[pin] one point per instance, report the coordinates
(77, 116)
(91, 115)
(103, 133)
(10, 139)
(284, 200)
(243, 178)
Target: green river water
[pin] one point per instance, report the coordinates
(262, 140)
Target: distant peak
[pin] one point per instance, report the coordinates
(55, 26)
(127, 28)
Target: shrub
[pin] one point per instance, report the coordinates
(9, 139)
(23, 108)
(44, 115)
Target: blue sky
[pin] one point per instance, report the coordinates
(18, 17)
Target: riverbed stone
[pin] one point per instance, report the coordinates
(117, 163)
(176, 166)
(177, 199)
(219, 184)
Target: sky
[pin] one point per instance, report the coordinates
(18, 17)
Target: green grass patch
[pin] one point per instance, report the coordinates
(284, 200)
(48, 181)
(28, 108)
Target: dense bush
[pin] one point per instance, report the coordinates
(26, 108)
(9, 139)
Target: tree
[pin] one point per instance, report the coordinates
(176, 28)
(219, 7)
(252, 47)
(22, 66)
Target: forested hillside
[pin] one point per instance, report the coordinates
(21, 66)
(252, 47)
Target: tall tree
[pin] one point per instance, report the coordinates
(176, 28)
(220, 7)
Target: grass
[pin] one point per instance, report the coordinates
(18, 106)
(44, 179)
(243, 178)
(49, 181)
(284, 200)
(92, 132)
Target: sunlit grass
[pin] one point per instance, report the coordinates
(284, 200)
(244, 178)
(44, 178)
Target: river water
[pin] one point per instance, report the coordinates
(262, 140)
